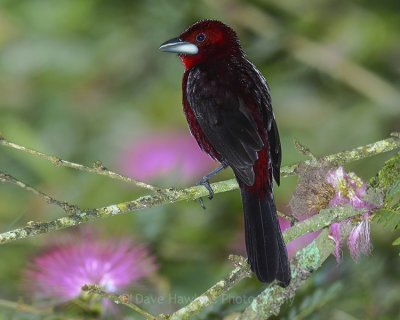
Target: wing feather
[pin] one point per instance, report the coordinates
(218, 100)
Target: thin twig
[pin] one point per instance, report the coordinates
(304, 150)
(241, 271)
(68, 208)
(344, 157)
(97, 168)
(20, 306)
(173, 195)
(122, 299)
(291, 219)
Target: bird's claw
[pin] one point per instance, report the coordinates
(202, 203)
(204, 182)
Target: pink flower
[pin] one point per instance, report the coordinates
(350, 190)
(334, 230)
(59, 273)
(359, 240)
(322, 188)
(166, 154)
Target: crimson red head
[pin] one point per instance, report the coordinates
(206, 40)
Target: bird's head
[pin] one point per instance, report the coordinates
(204, 41)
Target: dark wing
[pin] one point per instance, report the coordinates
(217, 100)
(219, 107)
(276, 152)
(261, 91)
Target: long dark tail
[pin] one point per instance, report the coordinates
(265, 247)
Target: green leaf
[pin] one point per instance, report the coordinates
(396, 242)
(389, 218)
(390, 173)
(311, 303)
(393, 196)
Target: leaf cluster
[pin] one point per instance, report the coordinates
(388, 179)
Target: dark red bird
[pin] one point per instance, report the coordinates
(227, 104)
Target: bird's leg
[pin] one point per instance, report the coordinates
(206, 183)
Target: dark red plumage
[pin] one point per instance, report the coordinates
(227, 104)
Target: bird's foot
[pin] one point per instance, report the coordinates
(204, 182)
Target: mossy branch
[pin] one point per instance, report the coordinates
(307, 260)
(266, 304)
(344, 157)
(68, 208)
(242, 270)
(120, 299)
(97, 168)
(172, 195)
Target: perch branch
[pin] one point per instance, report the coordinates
(173, 195)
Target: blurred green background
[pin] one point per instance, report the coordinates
(83, 80)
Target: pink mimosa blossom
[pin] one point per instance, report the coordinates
(359, 238)
(350, 189)
(59, 273)
(166, 154)
(334, 230)
(323, 188)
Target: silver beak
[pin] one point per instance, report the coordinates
(176, 45)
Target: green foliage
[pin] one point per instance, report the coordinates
(389, 175)
(314, 301)
(393, 197)
(391, 217)
(388, 180)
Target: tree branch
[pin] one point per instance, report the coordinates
(241, 271)
(307, 260)
(121, 299)
(273, 297)
(173, 195)
(325, 218)
(314, 223)
(20, 306)
(97, 168)
(355, 154)
(5, 177)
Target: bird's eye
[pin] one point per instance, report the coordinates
(200, 37)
